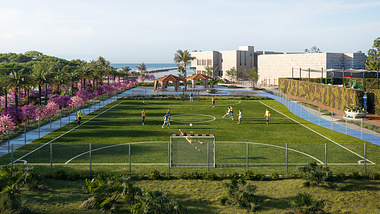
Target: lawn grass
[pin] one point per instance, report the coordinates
(202, 196)
(122, 125)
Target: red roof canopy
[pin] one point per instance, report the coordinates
(198, 77)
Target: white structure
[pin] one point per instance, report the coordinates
(274, 66)
(241, 59)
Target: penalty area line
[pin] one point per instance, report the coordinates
(317, 132)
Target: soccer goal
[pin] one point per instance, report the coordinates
(195, 150)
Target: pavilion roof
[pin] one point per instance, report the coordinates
(170, 77)
(198, 77)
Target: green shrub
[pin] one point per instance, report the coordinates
(318, 175)
(234, 175)
(221, 175)
(260, 177)
(288, 175)
(240, 194)
(304, 203)
(194, 175)
(60, 174)
(354, 175)
(341, 176)
(181, 175)
(374, 176)
(153, 174)
(166, 176)
(274, 176)
(248, 175)
(208, 176)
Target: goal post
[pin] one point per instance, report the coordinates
(193, 150)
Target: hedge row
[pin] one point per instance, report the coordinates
(333, 96)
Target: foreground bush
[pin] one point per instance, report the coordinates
(303, 203)
(240, 194)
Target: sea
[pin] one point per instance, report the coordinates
(154, 66)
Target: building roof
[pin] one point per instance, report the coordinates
(170, 77)
(198, 77)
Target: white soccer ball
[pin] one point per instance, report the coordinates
(191, 124)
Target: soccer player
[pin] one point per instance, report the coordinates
(143, 114)
(240, 115)
(191, 96)
(166, 120)
(79, 116)
(191, 141)
(228, 112)
(267, 115)
(231, 113)
(213, 101)
(169, 115)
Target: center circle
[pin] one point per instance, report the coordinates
(192, 118)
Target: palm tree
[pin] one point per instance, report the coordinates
(72, 77)
(40, 76)
(109, 71)
(184, 58)
(142, 68)
(59, 80)
(125, 71)
(17, 80)
(4, 84)
(85, 71)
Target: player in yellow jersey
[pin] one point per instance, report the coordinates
(267, 115)
(231, 113)
(213, 101)
(79, 116)
(143, 114)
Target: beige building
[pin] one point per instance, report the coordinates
(274, 66)
(243, 58)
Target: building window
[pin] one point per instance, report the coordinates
(209, 62)
(203, 62)
(199, 62)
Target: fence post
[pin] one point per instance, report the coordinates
(326, 154)
(25, 133)
(38, 127)
(365, 151)
(169, 157)
(129, 157)
(361, 128)
(208, 165)
(90, 159)
(286, 157)
(12, 156)
(50, 121)
(247, 150)
(8, 139)
(51, 159)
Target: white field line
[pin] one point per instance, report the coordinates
(317, 133)
(281, 147)
(106, 147)
(147, 103)
(20, 159)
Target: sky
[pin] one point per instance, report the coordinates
(151, 31)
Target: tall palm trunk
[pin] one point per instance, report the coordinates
(6, 98)
(16, 97)
(39, 93)
(28, 96)
(72, 88)
(46, 94)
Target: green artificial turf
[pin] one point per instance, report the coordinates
(111, 129)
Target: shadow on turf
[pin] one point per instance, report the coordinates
(354, 185)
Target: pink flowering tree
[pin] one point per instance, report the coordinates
(53, 108)
(76, 102)
(151, 77)
(61, 101)
(85, 94)
(29, 112)
(141, 78)
(42, 113)
(5, 124)
(14, 113)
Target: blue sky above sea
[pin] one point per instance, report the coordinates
(152, 31)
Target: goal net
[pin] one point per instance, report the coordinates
(195, 150)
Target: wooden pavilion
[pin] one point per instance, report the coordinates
(195, 77)
(165, 80)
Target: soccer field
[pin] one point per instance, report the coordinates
(116, 134)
